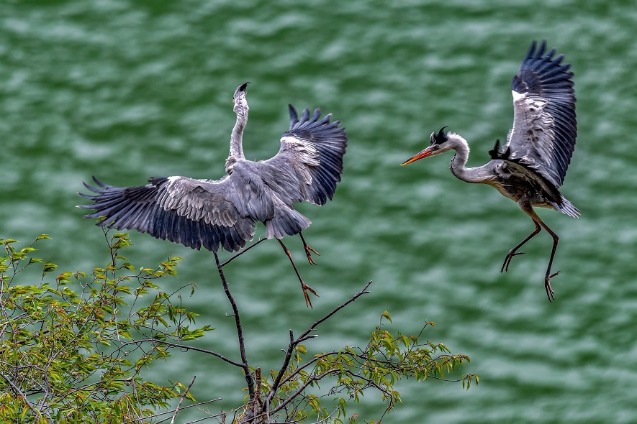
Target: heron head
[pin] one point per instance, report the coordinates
(239, 99)
(438, 143)
(241, 90)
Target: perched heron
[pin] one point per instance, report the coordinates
(222, 213)
(531, 167)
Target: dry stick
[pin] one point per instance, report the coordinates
(197, 349)
(237, 321)
(306, 335)
(183, 396)
(242, 252)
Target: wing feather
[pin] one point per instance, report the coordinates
(223, 213)
(309, 163)
(195, 213)
(544, 125)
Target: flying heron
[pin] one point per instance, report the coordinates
(223, 213)
(532, 165)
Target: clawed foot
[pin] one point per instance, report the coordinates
(547, 286)
(304, 286)
(508, 259)
(308, 252)
(307, 289)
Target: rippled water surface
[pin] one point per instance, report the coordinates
(125, 90)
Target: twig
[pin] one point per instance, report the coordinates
(183, 396)
(194, 405)
(242, 252)
(307, 365)
(20, 393)
(237, 320)
(334, 311)
(196, 349)
(111, 251)
(300, 390)
(295, 342)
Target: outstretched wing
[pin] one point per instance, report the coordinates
(310, 160)
(544, 124)
(183, 210)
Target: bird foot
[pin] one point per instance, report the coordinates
(308, 252)
(307, 289)
(508, 259)
(547, 286)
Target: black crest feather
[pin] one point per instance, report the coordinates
(439, 138)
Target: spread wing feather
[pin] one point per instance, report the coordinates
(195, 213)
(544, 125)
(309, 163)
(223, 213)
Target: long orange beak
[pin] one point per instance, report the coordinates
(420, 155)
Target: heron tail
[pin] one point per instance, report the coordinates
(286, 222)
(567, 208)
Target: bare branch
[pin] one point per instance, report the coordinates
(237, 320)
(196, 349)
(334, 311)
(232, 258)
(306, 335)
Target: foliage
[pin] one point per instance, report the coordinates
(386, 359)
(75, 345)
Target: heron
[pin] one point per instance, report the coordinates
(531, 166)
(223, 213)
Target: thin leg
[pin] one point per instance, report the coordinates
(304, 286)
(514, 252)
(547, 278)
(308, 251)
(539, 224)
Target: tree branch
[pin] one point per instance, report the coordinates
(295, 342)
(300, 390)
(237, 320)
(19, 392)
(232, 258)
(183, 396)
(197, 349)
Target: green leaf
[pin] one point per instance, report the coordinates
(49, 267)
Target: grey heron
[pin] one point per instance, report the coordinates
(223, 213)
(531, 167)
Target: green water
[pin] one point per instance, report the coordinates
(124, 90)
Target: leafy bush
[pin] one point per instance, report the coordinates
(75, 345)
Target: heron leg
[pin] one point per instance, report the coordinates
(304, 286)
(539, 224)
(547, 278)
(308, 250)
(514, 252)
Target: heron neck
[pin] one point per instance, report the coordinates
(459, 161)
(236, 138)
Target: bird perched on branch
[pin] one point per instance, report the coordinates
(223, 213)
(531, 167)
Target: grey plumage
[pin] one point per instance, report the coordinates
(544, 124)
(531, 166)
(222, 213)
